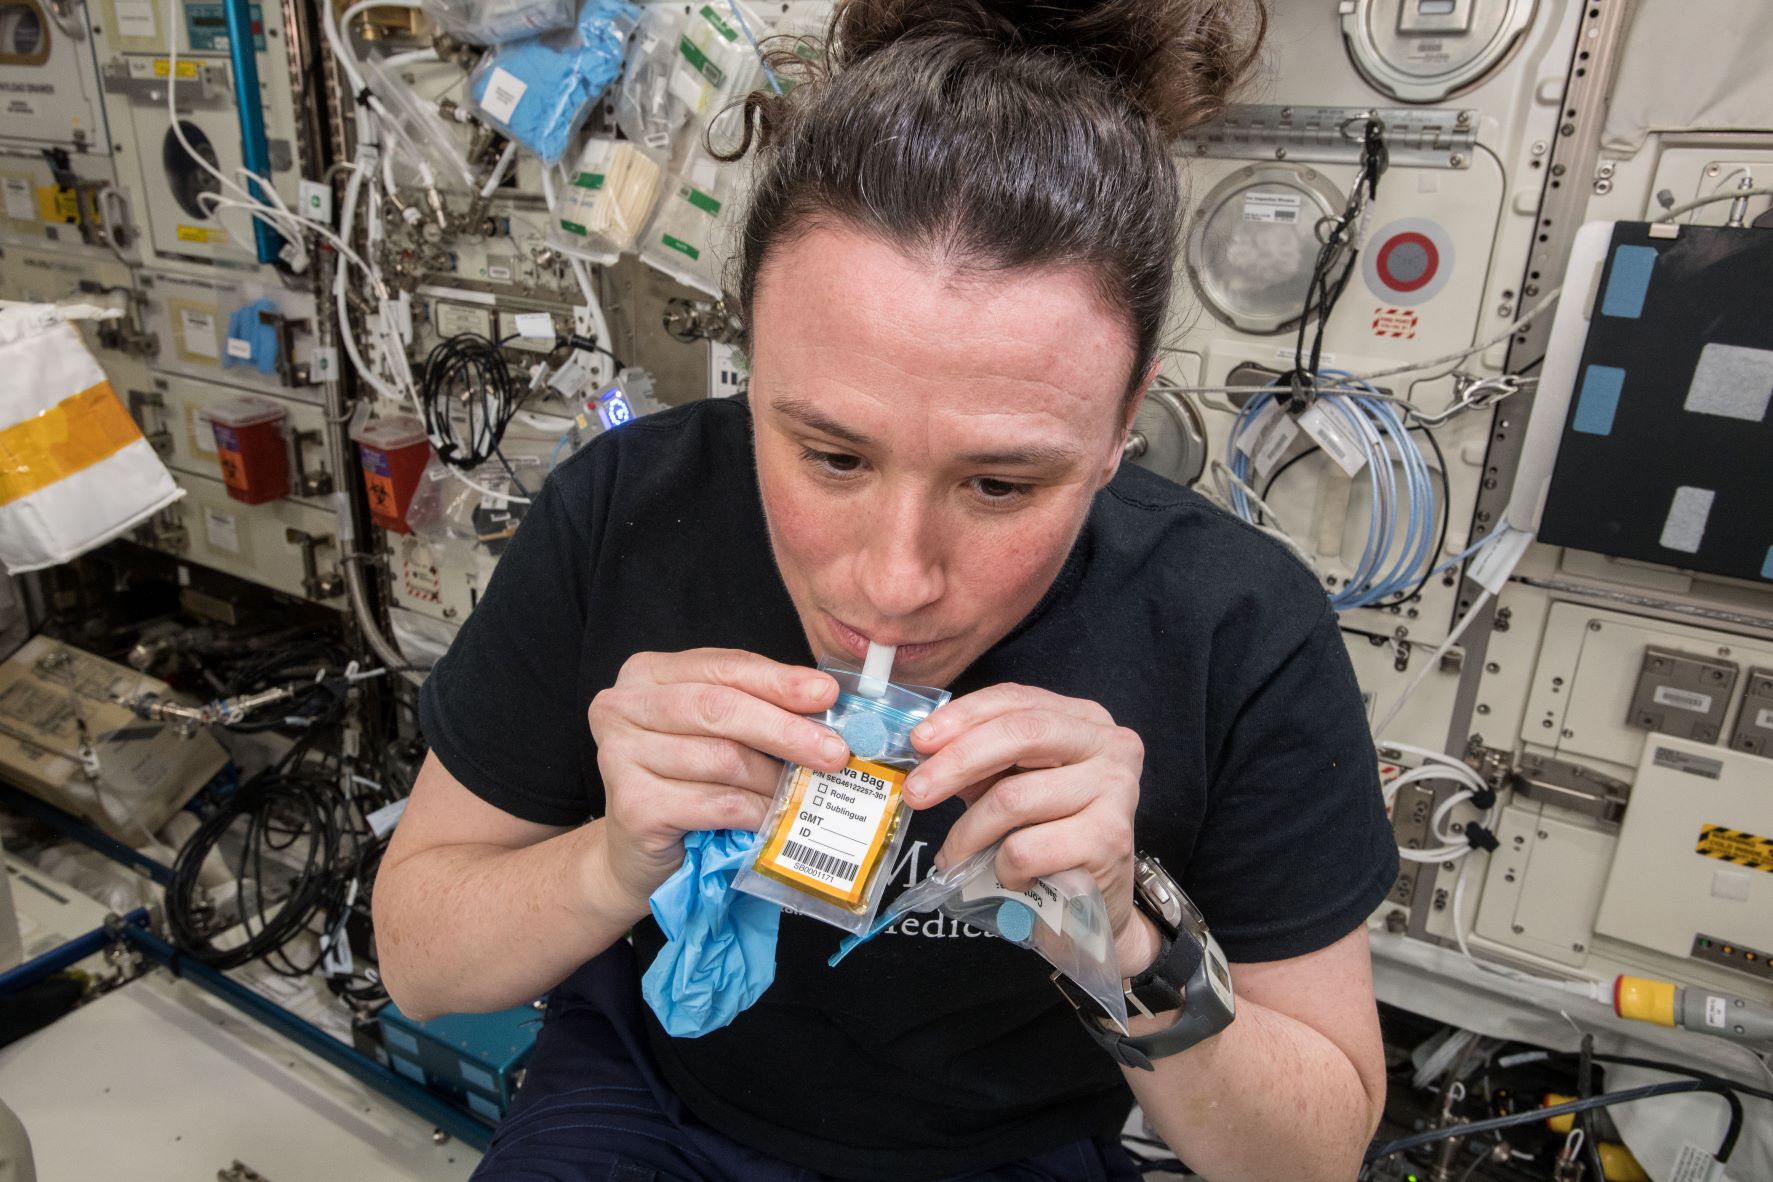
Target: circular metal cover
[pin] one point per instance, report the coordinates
(1168, 437)
(1253, 242)
(1421, 51)
(189, 180)
(24, 37)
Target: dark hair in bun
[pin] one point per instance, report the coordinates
(998, 135)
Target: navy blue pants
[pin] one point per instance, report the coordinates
(593, 1108)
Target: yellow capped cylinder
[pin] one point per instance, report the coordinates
(1644, 1000)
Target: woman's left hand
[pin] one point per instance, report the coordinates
(1058, 777)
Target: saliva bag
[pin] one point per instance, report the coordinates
(830, 837)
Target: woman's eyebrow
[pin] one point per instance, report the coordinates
(1030, 455)
(808, 415)
(1026, 455)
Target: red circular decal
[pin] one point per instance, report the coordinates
(1408, 262)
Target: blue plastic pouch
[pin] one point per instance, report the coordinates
(720, 944)
(539, 90)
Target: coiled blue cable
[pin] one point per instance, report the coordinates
(1399, 545)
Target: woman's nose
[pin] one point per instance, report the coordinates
(904, 562)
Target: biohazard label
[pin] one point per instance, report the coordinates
(834, 829)
(1736, 847)
(1398, 324)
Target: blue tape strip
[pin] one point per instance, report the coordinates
(1598, 400)
(1767, 566)
(1629, 281)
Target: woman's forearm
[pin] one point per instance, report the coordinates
(467, 928)
(1267, 1098)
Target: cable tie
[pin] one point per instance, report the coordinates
(1484, 800)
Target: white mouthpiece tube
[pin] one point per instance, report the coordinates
(877, 670)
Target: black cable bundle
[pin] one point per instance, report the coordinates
(279, 811)
(295, 661)
(470, 369)
(1336, 258)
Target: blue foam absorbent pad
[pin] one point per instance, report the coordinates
(1015, 921)
(865, 734)
(561, 74)
(720, 949)
(1629, 281)
(245, 324)
(1598, 400)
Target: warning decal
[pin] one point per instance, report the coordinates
(1395, 323)
(1736, 847)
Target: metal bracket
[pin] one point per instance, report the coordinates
(317, 483)
(314, 584)
(285, 327)
(1418, 137)
(1571, 786)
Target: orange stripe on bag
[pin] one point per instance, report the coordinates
(70, 436)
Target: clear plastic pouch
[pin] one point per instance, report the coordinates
(716, 58)
(539, 91)
(418, 128)
(645, 111)
(610, 193)
(683, 240)
(830, 837)
(1062, 916)
(493, 22)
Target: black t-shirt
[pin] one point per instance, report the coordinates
(933, 1050)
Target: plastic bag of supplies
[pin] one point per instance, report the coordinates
(75, 471)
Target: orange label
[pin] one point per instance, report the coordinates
(834, 829)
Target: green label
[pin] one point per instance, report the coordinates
(574, 228)
(700, 200)
(699, 60)
(589, 180)
(680, 244)
(720, 26)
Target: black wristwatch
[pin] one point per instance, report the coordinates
(1188, 978)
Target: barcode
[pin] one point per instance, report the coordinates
(819, 860)
(1285, 215)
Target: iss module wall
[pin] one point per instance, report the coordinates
(1469, 314)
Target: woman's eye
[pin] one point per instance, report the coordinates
(837, 463)
(999, 491)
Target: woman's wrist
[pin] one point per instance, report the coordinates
(602, 901)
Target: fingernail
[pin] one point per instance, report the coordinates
(832, 747)
(923, 731)
(913, 787)
(941, 860)
(812, 687)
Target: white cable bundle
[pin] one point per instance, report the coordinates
(75, 471)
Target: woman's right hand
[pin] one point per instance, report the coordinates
(684, 742)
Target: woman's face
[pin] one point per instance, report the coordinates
(927, 445)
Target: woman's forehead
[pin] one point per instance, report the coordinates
(837, 308)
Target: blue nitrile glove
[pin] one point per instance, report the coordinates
(261, 338)
(720, 950)
(559, 75)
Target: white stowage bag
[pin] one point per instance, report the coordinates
(75, 471)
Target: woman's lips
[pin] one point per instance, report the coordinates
(855, 643)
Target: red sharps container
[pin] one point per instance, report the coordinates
(394, 453)
(250, 446)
